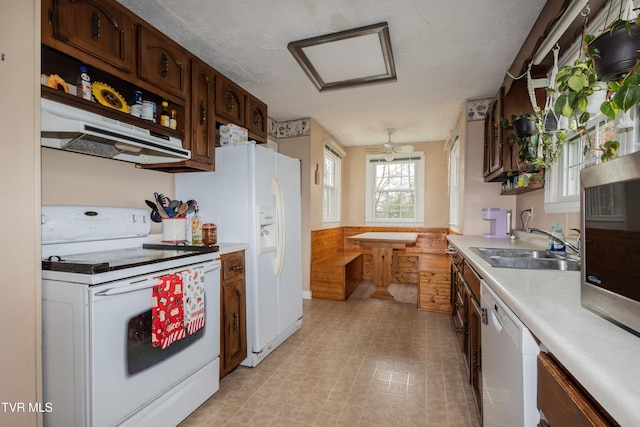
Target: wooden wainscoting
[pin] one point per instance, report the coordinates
(425, 265)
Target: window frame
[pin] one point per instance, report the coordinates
(556, 178)
(418, 158)
(335, 157)
(454, 183)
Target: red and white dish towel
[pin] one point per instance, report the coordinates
(193, 283)
(177, 306)
(167, 311)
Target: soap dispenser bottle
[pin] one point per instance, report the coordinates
(555, 245)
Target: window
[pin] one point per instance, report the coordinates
(331, 185)
(562, 189)
(454, 186)
(395, 189)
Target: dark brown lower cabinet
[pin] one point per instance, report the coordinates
(467, 321)
(233, 314)
(563, 402)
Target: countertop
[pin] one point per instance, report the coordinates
(602, 356)
(227, 248)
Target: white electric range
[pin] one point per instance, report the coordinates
(99, 365)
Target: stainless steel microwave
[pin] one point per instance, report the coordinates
(611, 240)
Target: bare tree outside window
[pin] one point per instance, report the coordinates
(395, 190)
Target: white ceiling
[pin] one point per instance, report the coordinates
(446, 51)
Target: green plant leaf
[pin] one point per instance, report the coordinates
(584, 117)
(627, 96)
(577, 82)
(609, 109)
(563, 106)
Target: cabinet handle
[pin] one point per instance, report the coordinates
(203, 114)
(236, 321)
(238, 292)
(256, 116)
(165, 65)
(458, 304)
(477, 352)
(50, 16)
(230, 103)
(236, 267)
(95, 25)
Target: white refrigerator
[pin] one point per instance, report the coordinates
(254, 197)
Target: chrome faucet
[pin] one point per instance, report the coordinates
(571, 246)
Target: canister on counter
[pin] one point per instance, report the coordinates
(209, 234)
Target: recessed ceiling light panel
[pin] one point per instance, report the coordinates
(356, 57)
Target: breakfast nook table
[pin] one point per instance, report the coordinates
(384, 247)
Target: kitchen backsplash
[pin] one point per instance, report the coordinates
(78, 179)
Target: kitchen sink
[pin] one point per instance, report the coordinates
(534, 259)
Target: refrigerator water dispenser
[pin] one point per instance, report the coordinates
(267, 235)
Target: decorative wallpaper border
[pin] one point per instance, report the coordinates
(289, 128)
(477, 109)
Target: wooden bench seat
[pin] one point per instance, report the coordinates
(336, 276)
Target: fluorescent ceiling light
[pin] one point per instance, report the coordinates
(349, 58)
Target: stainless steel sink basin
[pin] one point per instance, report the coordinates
(528, 259)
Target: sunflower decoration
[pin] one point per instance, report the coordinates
(108, 96)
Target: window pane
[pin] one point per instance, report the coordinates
(394, 193)
(331, 187)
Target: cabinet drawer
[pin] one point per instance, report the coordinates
(562, 401)
(472, 279)
(232, 266)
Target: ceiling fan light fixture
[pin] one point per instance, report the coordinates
(389, 157)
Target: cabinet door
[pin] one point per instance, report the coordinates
(202, 113)
(233, 314)
(562, 401)
(230, 101)
(162, 62)
(256, 117)
(102, 29)
(493, 161)
(475, 352)
(234, 326)
(461, 314)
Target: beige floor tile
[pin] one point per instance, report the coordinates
(362, 362)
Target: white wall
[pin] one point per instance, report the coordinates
(20, 312)
(477, 193)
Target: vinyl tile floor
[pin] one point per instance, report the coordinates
(363, 362)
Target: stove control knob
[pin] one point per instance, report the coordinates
(134, 218)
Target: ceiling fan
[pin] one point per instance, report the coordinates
(390, 149)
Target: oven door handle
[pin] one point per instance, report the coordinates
(143, 284)
(148, 283)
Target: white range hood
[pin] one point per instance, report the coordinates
(72, 129)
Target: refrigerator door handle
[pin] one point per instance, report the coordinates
(276, 188)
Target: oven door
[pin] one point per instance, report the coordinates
(126, 371)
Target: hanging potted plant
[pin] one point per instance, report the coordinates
(537, 149)
(575, 84)
(523, 125)
(617, 50)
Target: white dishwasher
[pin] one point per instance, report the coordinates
(509, 370)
